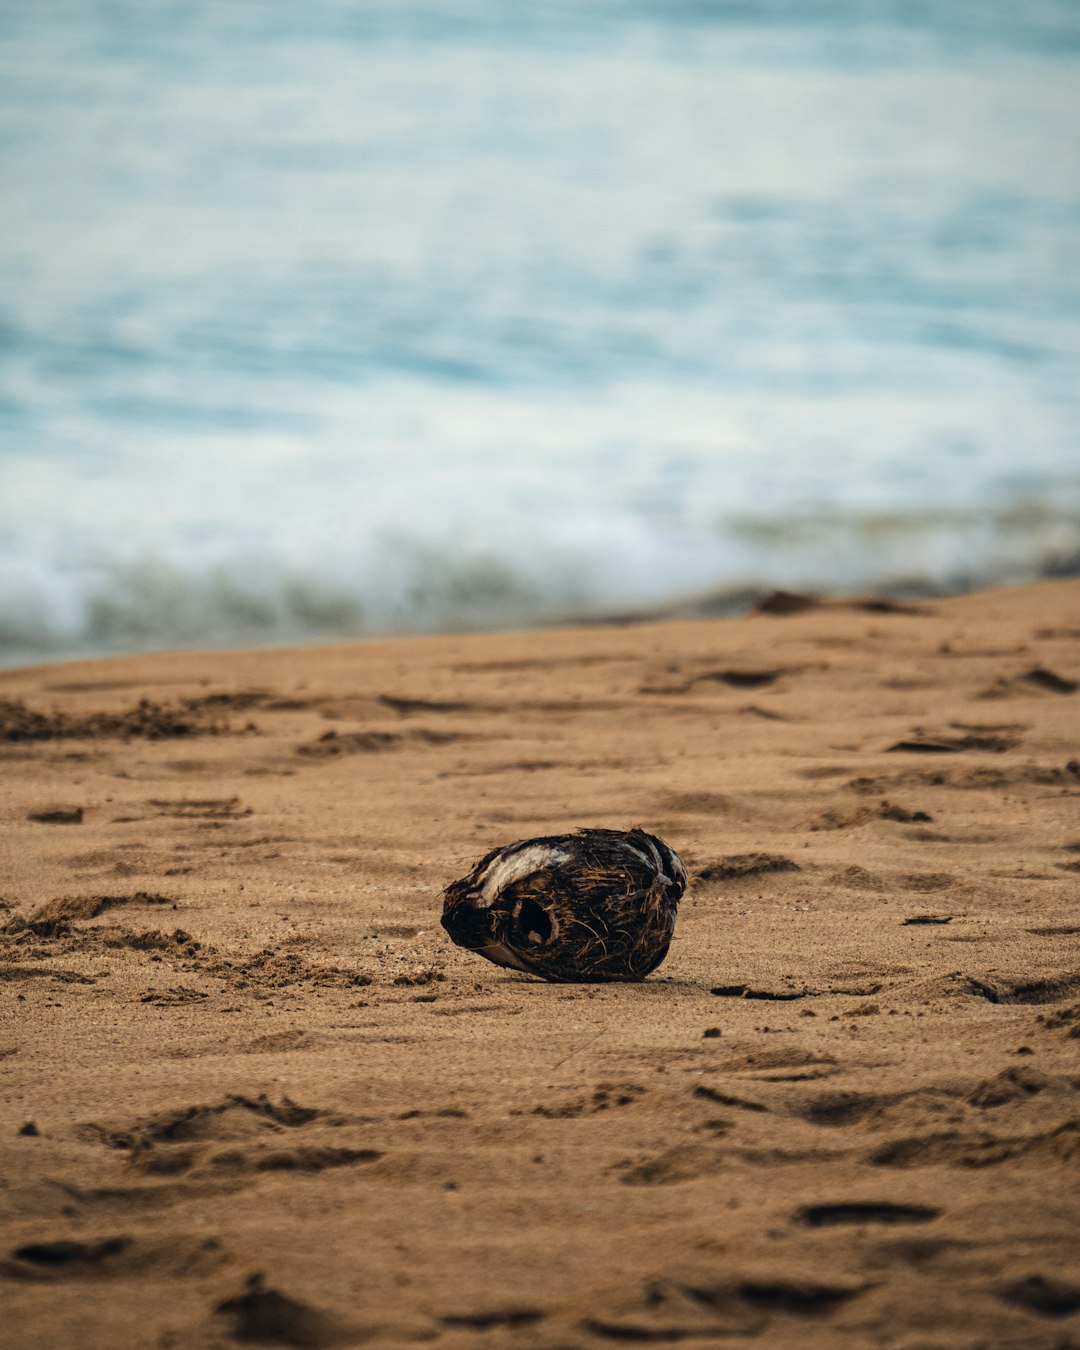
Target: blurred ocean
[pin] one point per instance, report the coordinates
(337, 318)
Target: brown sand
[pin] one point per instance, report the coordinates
(251, 1094)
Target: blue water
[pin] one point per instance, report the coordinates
(330, 319)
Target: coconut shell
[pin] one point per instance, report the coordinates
(592, 906)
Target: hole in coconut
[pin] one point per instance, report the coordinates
(534, 922)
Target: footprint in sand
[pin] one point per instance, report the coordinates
(489, 1319)
(263, 1315)
(605, 1097)
(57, 815)
(690, 1305)
(239, 1136)
(738, 865)
(114, 1257)
(981, 1149)
(860, 1212)
(1043, 1294)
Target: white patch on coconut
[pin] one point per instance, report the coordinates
(509, 867)
(502, 956)
(678, 868)
(658, 862)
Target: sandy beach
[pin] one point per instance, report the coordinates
(252, 1094)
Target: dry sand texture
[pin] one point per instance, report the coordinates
(251, 1094)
